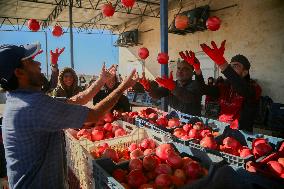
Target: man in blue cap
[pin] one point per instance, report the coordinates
(33, 121)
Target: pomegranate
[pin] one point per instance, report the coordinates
(135, 164)
(198, 126)
(57, 31)
(148, 152)
(178, 182)
(107, 10)
(163, 180)
(209, 142)
(151, 175)
(186, 160)
(162, 121)
(179, 132)
(185, 137)
(174, 160)
(192, 170)
(150, 163)
(251, 167)
(125, 186)
(163, 169)
(102, 147)
(261, 149)
(229, 150)
(231, 143)
(109, 135)
(148, 111)
(187, 127)
(163, 58)
(119, 174)
(136, 154)
(132, 147)
(275, 167)
(108, 117)
(97, 135)
(128, 3)
(143, 53)
(110, 153)
(136, 178)
(153, 116)
(108, 127)
(205, 132)
(180, 174)
(84, 133)
(148, 143)
(213, 23)
(174, 122)
(281, 161)
(163, 151)
(119, 132)
(193, 133)
(258, 141)
(181, 22)
(99, 128)
(33, 25)
(245, 152)
(100, 122)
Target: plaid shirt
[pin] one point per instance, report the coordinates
(32, 135)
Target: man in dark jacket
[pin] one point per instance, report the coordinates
(184, 94)
(239, 95)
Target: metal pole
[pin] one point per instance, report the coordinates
(164, 43)
(46, 54)
(71, 33)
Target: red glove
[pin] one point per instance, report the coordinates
(191, 59)
(216, 54)
(166, 82)
(55, 55)
(145, 82)
(39, 52)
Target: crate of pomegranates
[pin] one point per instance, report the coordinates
(141, 142)
(167, 167)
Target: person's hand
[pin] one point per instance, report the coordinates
(144, 82)
(215, 53)
(107, 74)
(39, 52)
(166, 82)
(54, 55)
(190, 58)
(131, 80)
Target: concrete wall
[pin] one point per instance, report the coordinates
(254, 28)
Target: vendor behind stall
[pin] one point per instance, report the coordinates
(33, 121)
(184, 94)
(239, 95)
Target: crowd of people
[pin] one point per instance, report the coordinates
(33, 121)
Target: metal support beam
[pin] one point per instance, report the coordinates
(164, 44)
(71, 34)
(55, 13)
(46, 54)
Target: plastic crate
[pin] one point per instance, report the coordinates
(129, 128)
(79, 161)
(104, 167)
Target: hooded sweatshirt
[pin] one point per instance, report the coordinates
(62, 90)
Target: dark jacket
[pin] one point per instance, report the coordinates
(238, 99)
(63, 91)
(186, 99)
(122, 105)
(48, 86)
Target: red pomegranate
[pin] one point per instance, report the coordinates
(162, 121)
(181, 22)
(163, 169)
(187, 127)
(119, 132)
(128, 3)
(281, 161)
(110, 153)
(205, 132)
(33, 25)
(147, 186)
(108, 127)
(193, 133)
(213, 23)
(192, 170)
(119, 174)
(231, 143)
(143, 53)
(57, 31)
(97, 135)
(186, 160)
(148, 144)
(151, 175)
(108, 118)
(102, 147)
(179, 132)
(245, 152)
(108, 10)
(198, 126)
(174, 160)
(153, 116)
(180, 174)
(163, 180)
(163, 58)
(209, 142)
(261, 149)
(258, 141)
(178, 182)
(108, 135)
(136, 178)
(148, 152)
(132, 147)
(135, 164)
(150, 163)
(83, 132)
(174, 122)
(163, 151)
(136, 154)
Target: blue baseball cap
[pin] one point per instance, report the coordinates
(11, 56)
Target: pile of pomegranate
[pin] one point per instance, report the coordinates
(104, 129)
(163, 169)
(134, 151)
(272, 165)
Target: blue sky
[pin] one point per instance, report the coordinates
(90, 50)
